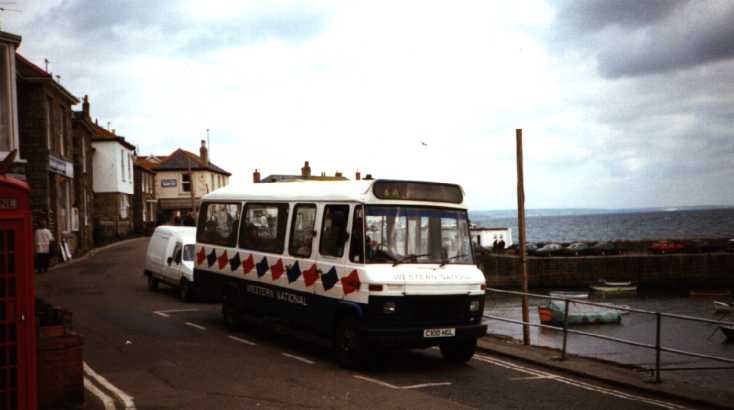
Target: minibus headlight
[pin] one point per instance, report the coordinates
(474, 306)
(389, 308)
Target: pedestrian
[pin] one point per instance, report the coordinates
(43, 238)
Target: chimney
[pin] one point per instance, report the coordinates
(306, 170)
(85, 106)
(256, 176)
(204, 153)
(357, 175)
(338, 174)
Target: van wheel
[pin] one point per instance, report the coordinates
(350, 347)
(185, 291)
(459, 351)
(152, 283)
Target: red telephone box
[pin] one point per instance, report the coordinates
(17, 298)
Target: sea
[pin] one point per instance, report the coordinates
(569, 225)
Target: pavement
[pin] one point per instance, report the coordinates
(148, 350)
(628, 377)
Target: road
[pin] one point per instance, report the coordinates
(148, 350)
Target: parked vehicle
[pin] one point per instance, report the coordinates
(368, 264)
(549, 250)
(663, 247)
(170, 259)
(530, 248)
(604, 248)
(730, 245)
(700, 246)
(577, 249)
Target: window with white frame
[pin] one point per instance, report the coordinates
(49, 123)
(60, 131)
(123, 206)
(186, 182)
(5, 102)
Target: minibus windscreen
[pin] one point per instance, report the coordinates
(188, 252)
(404, 234)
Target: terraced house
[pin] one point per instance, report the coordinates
(44, 121)
(113, 185)
(181, 179)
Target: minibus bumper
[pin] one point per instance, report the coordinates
(416, 336)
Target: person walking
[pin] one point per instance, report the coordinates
(43, 238)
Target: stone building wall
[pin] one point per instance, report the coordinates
(704, 270)
(109, 225)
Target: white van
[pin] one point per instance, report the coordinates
(368, 264)
(170, 259)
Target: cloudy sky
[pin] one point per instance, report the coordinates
(623, 103)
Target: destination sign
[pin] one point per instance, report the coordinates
(418, 191)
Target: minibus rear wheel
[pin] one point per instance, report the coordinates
(350, 346)
(460, 351)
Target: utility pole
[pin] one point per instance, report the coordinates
(521, 227)
(193, 198)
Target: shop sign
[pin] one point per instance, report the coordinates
(168, 183)
(60, 166)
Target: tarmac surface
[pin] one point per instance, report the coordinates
(148, 350)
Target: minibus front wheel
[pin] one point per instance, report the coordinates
(459, 351)
(350, 345)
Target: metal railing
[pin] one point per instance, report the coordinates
(657, 347)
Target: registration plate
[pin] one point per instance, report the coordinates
(446, 332)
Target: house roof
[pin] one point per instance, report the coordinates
(145, 164)
(180, 159)
(104, 135)
(28, 71)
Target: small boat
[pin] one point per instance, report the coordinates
(553, 311)
(569, 294)
(709, 293)
(723, 307)
(728, 331)
(615, 284)
(614, 290)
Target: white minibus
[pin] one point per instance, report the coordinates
(369, 264)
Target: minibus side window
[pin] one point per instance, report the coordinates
(302, 230)
(218, 224)
(263, 227)
(334, 230)
(356, 246)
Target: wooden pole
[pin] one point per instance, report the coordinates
(193, 197)
(521, 227)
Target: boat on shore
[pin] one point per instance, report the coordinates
(709, 293)
(569, 294)
(723, 307)
(728, 331)
(610, 288)
(552, 313)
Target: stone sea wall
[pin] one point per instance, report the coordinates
(676, 271)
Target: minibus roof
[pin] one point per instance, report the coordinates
(314, 191)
